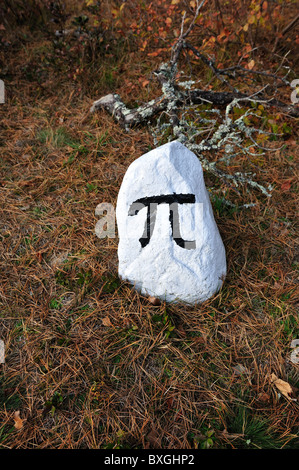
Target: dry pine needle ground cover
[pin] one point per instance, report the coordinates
(89, 362)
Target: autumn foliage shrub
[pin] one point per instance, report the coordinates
(154, 26)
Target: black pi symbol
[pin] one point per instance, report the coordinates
(151, 203)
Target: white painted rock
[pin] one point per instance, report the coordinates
(169, 244)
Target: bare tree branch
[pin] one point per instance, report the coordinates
(132, 117)
(179, 101)
(176, 50)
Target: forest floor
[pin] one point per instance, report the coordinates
(89, 362)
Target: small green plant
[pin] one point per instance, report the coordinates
(84, 278)
(165, 321)
(208, 442)
(221, 206)
(290, 326)
(63, 338)
(111, 283)
(256, 432)
(91, 187)
(55, 304)
(57, 138)
(29, 241)
(205, 439)
(38, 211)
(5, 431)
(70, 160)
(54, 402)
(10, 398)
(62, 277)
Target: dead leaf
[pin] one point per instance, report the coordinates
(284, 387)
(18, 420)
(251, 64)
(169, 402)
(58, 260)
(239, 370)
(154, 300)
(263, 397)
(106, 321)
(286, 186)
(154, 54)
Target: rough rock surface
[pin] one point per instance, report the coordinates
(169, 243)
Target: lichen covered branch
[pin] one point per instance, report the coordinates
(203, 119)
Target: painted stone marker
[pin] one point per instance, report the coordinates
(169, 244)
